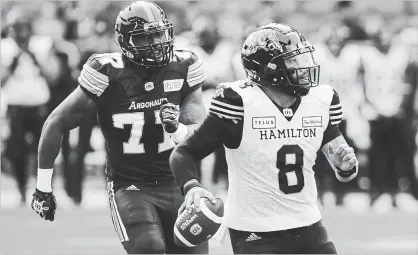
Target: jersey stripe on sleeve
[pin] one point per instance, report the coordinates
(335, 111)
(226, 110)
(93, 81)
(195, 74)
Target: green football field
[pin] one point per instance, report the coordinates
(89, 230)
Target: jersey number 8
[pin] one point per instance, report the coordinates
(290, 159)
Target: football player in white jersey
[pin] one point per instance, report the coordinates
(272, 126)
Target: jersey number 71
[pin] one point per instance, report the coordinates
(137, 120)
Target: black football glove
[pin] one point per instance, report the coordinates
(44, 204)
(169, 115)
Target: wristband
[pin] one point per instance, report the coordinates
(189, 185)
(346, 174)
(44, 179)
(180, 133)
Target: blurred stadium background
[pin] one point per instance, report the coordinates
(375, 214)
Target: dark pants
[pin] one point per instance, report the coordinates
(311, 239)
(144, 218)
(391, 155)
(74, 176)
(385, 155)
(23, 120)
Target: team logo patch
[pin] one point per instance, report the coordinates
(173, 85)
(312, 121)
(264, 122)
(149, 86)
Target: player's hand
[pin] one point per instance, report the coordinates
(193, 197)
(343, 158)
(169, 115)
(44, 204)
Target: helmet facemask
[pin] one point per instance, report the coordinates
(296, 69)
(137, 45)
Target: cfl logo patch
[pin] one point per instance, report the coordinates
(196, 229)
(287, 112)
(149, 86)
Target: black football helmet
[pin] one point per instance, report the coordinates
(144, 34)
(278, 55)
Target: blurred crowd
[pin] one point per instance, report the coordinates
(367, 51)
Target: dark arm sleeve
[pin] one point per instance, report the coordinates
(223, 126)
(206, 139)
(335, 117)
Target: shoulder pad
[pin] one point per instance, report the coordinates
(195, 73)
(95, 74)
(105, 60)
(227, 103)
(185, 55)
(321, 94)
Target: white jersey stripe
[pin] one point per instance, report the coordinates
(86, 81)
(335, 106)
(85, 85)
(195, 65)
(196, 74)
(92, 80)
(336, 117)
(226, 111)
(336, 111)
(240, 108)
(195, 81)
(96, 74)
(118, 221)
(198, 68)
(225, 116)
(335, 122)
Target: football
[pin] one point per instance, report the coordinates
(194, 228)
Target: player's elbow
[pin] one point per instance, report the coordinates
(181, 164)
(178, 156)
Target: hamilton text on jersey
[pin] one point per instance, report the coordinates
(287, 133)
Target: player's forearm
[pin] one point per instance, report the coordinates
(49, 144)
(183, 166)
(49, 147)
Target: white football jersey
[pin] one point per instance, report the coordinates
(384, 83)
(271, 181)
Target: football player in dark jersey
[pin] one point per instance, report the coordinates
(147, 99)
